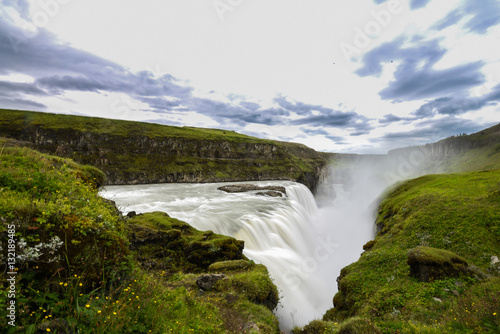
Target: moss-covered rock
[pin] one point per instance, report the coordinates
(231, 265)
(254, 284)
(428, 263)
(162, 242)
(134, 152)
(447, 228)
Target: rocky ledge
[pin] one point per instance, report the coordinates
(274, 191)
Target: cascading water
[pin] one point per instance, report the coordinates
(303, 247)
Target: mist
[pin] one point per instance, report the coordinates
(304, 241)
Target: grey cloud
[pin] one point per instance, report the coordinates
(452, 18)
(456, 105)
(417, 4)
(60, 67)
(429, 131)
(299, 108)
(337, 139)
(414, 4)
(314, 132)
(159, 104)
(224, 112)
(250, 105)
(481, 16)
(21, 104)
(390, 118)
(415, 78)
(21, 6)
(337, 119)
(486, 14)
(321, 132)
(16, 88)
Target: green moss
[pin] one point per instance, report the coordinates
(435, 256)
(447, 220)
(92, 283)
(316, 327)
(167, 243)
(231, 265)
(153, 153)
(357, 325)
(254, 284)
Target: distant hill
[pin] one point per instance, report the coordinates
(462, 153)
(137, 152)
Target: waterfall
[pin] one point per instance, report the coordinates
(303, 247)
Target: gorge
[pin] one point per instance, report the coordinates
(336, 245)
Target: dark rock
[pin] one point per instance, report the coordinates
(207, 281)
(131, 214)
(428, 264)
(270, 193)
(239, 188)
(369, 245)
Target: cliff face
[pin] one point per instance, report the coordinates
(455, 145)
(144, 154)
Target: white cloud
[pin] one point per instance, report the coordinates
(178, 62)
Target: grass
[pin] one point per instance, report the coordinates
(82, 266)
(141, 152)
(459, 214)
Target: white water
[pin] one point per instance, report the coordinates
(303, 247)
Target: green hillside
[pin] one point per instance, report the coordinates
(448, 228)
(80, 267)
(137, 152)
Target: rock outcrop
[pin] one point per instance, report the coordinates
(239, 188)
(138, 153)
(428, 264)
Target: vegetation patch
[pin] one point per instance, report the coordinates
(137, 152)
(451, 222)
(82, 267)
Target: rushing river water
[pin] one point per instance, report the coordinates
(303, 247)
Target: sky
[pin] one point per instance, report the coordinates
(362, 76)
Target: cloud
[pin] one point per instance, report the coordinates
(429, 131)
(485, 14)
(299, 108)
(315, 132)
(18, 89)
(417, 4)
(479, 16)
(415, 77)
(457, 105)
(337, 119)
(452, 18)
(390, 118)
(414, 4)
(21, 6)
(21, 104)
(225, 112)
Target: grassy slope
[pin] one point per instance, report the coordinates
(456, 212)
(24, 119)
(89, 277)
(127, 160)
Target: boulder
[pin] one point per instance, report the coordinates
(239, 188)
(270, 193)
(230, 265)
(207, 281)
(428, 264)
